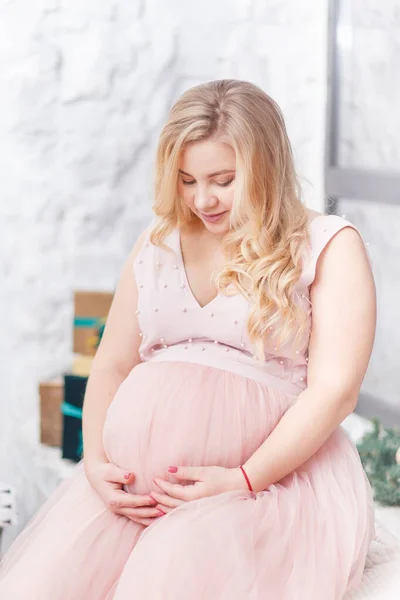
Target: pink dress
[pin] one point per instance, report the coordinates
(200, 397)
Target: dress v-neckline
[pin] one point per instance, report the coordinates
(183, 267)
(187, 283)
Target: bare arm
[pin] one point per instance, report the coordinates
(116, 356)
(343, 330)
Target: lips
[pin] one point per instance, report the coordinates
(214, 217)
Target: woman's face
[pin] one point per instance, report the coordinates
(206, 182)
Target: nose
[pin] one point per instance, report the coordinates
(204, 201)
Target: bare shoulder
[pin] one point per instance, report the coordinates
(347, 243)
(344, 256)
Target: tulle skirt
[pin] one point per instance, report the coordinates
(305, 538)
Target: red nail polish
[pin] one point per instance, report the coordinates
(161, 513)
(172, 469)
(127, 475)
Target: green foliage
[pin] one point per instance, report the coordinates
(377, 451)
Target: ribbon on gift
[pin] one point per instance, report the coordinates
(70, 410)
(87, 321)
(79, 448)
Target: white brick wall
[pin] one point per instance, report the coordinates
(84, 89)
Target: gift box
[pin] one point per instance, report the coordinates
(51, 395)
(74, 392)
(90, 312)
(82, 365)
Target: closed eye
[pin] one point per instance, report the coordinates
(188, 182)
(226, 183)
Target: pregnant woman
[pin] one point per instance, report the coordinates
(215, 467)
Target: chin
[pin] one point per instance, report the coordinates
(220, 228)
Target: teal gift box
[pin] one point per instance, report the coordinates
(71, 409)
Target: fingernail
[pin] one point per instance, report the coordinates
(172, 469)
(161, 513)
(127, 475)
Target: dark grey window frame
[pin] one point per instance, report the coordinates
(357, 184)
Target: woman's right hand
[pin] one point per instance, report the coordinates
(108, 481)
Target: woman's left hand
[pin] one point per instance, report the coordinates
(208, 481)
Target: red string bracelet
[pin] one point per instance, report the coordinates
(246, 478)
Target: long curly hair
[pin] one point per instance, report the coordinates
(264, 248)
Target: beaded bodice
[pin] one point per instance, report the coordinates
(175, 327)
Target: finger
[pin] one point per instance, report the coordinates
(189, 473)
(166, 509)
(147, 513)
(144, 522)
(141, 513)
(133, 500)
(120, 499)
(165, 500)
(176, 490)
(116, 475)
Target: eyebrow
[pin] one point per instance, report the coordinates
(222, 172)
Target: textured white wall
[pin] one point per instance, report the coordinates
(370, 75)
(85, 86)
(369, 139)
(380, 226)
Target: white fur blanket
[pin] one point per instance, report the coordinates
(381, 579)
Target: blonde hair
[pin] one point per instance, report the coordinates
(269, 224)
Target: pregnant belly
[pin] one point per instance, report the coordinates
(184, 413)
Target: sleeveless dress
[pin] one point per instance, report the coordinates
(201, 397)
